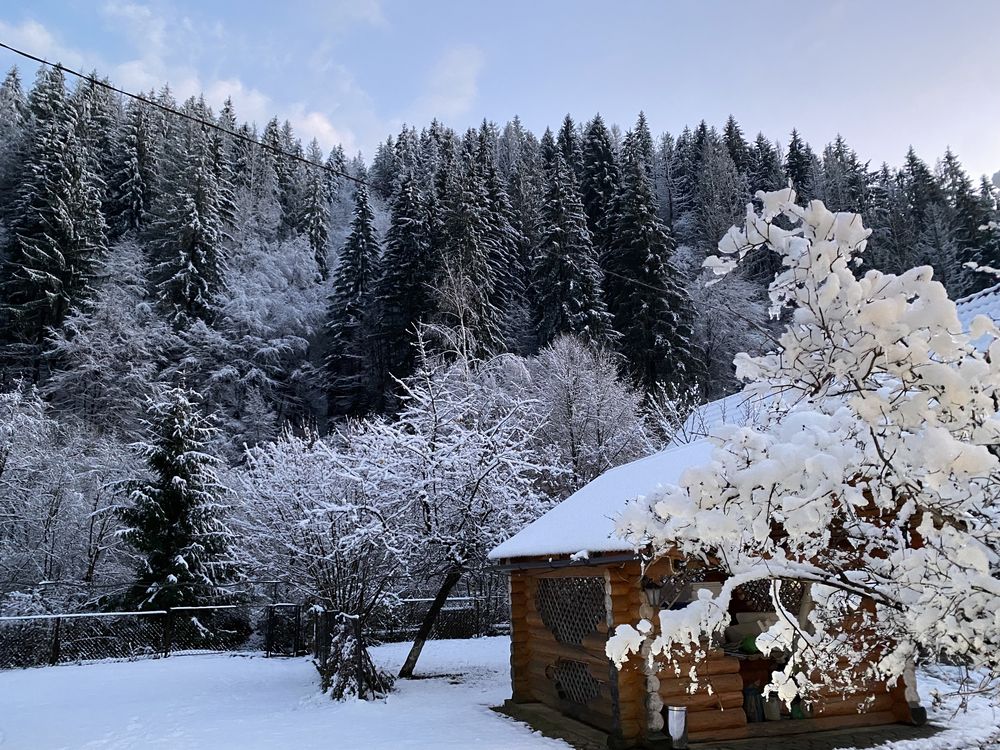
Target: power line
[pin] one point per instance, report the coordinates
(278, 151)
(184, 115)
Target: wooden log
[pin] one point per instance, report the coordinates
(721, 683)
(706, 668)
(701, 721)
(704, 702)
(539, 665)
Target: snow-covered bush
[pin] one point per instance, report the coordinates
(872, 477)
(302, 521)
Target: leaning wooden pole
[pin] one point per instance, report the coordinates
(427, 625)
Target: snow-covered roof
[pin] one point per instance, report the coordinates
(739, 408)
(986, 302)
(585, 521)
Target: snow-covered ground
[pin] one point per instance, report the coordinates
(214, 702)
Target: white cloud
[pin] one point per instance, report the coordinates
(452, 86)
(30, 36)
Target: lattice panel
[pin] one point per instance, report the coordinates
(758, 594)
(574, 682)
(571, 608)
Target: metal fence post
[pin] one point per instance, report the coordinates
(269, 630)
(168, 631)
(54, 650)
(297, 637)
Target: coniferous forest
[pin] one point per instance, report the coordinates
(238, 309)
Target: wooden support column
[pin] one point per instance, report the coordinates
(520, 639)
(628, 684)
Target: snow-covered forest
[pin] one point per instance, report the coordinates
(322, 366)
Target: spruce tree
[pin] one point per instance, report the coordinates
(57, 227)
(720, 195)
(567, 275)
(548, 150)
(315, 220)
(568, 145)
(132, 185)
(599, 183)
(921, 188)
(643, 143)
(174, 519)
(405, 294)
(187, 236)
(737, 146)
(474, 256)
(799, 166)
(766, 172)
(649, 307)
(13, 116)
(351, 366)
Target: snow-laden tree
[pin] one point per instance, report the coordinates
(57, 497)
(175, 517)
(302, 521)
(57, 228)
(455, 471)
(250, 363)
(567, 276)
(592, 419)
(108, 356)
(871, 478)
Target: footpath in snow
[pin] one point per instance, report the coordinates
(219, 702)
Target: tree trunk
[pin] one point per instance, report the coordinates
(425, 627)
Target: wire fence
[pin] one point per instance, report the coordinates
(38, 640)
(478, 607)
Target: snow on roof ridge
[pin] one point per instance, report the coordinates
(988, 291)
(585, 521)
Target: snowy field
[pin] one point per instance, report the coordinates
(220, 702)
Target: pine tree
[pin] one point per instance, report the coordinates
(845, 179)
(599, 183)
(188, 234)
(132, 185)
(57, 227)
(382, 175)
(13, 115)
(720, 196)
(473, 256)
(643, 143)
(405, 294)
(548, 150)
(766, 172)
(315, 220)
(921, 187)
(175, 518)
(799, 166)
(567, 274)
(737, 146)
(648, 303)
(568, 145)
(969, 215)
(351, 367)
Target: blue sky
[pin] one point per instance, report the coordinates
(884, 74)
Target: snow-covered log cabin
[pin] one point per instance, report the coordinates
(572, 581)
